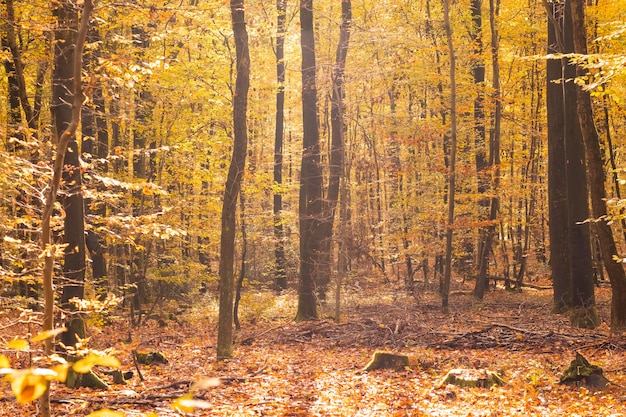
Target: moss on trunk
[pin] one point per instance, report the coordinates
(584, 317)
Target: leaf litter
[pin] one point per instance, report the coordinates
(283, 368)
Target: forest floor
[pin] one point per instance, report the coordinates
(282, 368)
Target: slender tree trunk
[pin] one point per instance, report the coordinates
(18, 65)
(14, 118)
(244, 259)
(611, 151)
(233, 181)
(480, 143)
(445, 293)
(141, 168)
(280, 272)
(597, 178)
(310, 205)
(489, 232)
(337, 149)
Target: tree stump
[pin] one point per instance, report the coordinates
(149, 358)
(472, 378)
(387, 360)
(581, 372)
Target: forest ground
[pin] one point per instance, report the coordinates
(282, 368)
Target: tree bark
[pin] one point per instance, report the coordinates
(445, 293)
(310, 202)
(557, 176)
(494, 156)
(62, 145)
(280, 272)
(18, 65)
(572, 268)
(480, 142)
(597, 177)
(233, 181)
(72, 285)
(337, 149)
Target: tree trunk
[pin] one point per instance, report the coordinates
(597, 178)
(280, 272)
(557, 175)
(63, 141)
(337, 153)
(14, 118)
(572, 268)
(480, 143)
(337, 149)
(18, 65)
(310, 205)
(494, 156)
(233, 181)
(72, 285)
(445, 293)
(244, 259)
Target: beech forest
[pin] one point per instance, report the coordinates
(312, 208)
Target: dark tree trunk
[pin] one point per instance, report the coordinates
(18, 65)
(597, 178)
(13, 100)
(94, 144)
(311, 206)
(72, 285)
(244, 257)
(557, 175)
(233, 181)
(494, 157)
(572, 269)
(280, 272)
(480, 143)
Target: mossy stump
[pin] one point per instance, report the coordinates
(581, 372)
(88, 380)
(387, 360)
(473, 378)
(149, 358)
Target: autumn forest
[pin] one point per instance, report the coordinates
(229, 208)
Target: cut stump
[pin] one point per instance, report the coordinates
(472, 378)
(387, 360)
(151, 357)
(581, 372)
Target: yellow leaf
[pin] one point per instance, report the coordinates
(206, 383)
(180, 404)
(48, 334)
(84, 365)
(18, 344)
(4, 362)
(61, 372)
(187, 404)
(27, 386)
(105, 412)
